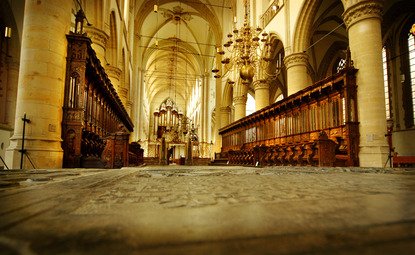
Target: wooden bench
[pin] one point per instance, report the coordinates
(404, 161)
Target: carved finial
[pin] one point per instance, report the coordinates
(79, 22)
(349, 61)
(122, 129)
(323, 135)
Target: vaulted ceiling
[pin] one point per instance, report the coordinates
(177, 44)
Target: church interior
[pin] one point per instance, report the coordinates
(182, 71)
(201, 103)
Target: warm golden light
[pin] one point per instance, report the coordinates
(245, 49)
(412, 31)
(8, 32)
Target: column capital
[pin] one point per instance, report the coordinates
(113, 71)
(361, 10)
(296, 59)
(225, 109)
(240, 99)
(97, 36)
(123, 92)
(260, 84)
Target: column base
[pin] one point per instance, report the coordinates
(163, 162)
(43, 154)
(189, 162)
(373, 156)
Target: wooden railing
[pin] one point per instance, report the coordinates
(92, 108)
(287, 132)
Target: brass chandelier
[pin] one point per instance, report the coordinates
(244, 49)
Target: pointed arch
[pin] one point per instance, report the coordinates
(227, 94)
(304, 24)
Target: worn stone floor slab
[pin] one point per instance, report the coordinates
(207, 210)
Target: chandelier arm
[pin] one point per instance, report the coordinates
(245, 50)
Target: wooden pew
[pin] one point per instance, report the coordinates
(403, 161)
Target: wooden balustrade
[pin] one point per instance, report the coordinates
(92, 109)
(315, 126)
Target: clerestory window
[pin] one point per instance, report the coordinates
(411, 48)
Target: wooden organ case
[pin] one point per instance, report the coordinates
(94, 118)
(316, 126)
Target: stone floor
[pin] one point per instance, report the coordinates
(208, 210)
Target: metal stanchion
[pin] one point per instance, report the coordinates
(389, 125)
(390, 156)
(4, 163)
(23, 151)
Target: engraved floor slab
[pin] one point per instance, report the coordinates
(207, 210)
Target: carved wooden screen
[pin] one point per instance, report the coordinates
(328, 105)
(92, 108)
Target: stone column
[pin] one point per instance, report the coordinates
(137, 109)
(163, 160)
(12, 79)
(240, 96)
(99, 41)
(218, 104)
(123, 93)
(297, 77)
(205, 111)
(363, 21)
(128, 107)
(261, 94)
(189, 154)
(240, 106)
(41, 84)
(224, 115)
(114, 74)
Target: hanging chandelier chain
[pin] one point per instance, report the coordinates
(246, 50)
(247, 12)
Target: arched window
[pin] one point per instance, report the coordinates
(250, 105)
(279, 98)
(386, 82)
